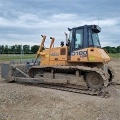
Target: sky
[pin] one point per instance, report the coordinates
(22, 22)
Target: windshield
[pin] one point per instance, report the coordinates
(95, 39)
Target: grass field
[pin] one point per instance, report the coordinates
(8, 57)
(115, 55)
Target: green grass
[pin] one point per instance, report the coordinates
(115, 55)
(8, 57)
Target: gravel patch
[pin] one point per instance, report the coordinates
(29, 102)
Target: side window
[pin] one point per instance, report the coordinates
(79, 39)
(90, 38)
(95, 39)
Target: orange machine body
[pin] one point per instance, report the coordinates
(83, 46)
(60, 56)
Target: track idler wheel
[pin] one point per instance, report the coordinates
(94, 80)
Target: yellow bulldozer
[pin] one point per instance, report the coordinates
(79, 65)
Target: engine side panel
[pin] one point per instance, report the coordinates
(90, 55)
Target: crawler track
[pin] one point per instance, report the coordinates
(114, 83)
(111, 73)
(82, 90)
(74, 88)
(64, 69)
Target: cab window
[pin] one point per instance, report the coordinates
(95, 39)
(90, 39)
(79, 39)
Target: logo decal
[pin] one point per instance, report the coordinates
(81, 53)
(54, 54)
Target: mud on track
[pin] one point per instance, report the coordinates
(26, 102)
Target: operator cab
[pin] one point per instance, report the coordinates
(84, 37)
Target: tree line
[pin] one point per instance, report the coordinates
(18, 49)
(112, 49)
(27, 49)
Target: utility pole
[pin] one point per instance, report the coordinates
(21, 52)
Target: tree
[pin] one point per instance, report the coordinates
(110, 49)
(34, 48)
(118, 49)
(18, 49)
(0, 49)
(26, 49)
(13, 49)
(3, 49)
(6, 49)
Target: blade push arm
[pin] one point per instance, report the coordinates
(52, 42)
(41, 46)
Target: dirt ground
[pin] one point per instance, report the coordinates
(26, 102)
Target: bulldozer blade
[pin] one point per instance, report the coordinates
(6, 72)
(10, 71)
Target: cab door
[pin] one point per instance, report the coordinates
(78, 49)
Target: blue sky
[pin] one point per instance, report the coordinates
(23, 21)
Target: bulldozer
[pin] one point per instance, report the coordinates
(79, 65)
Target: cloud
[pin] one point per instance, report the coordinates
(24, 22)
